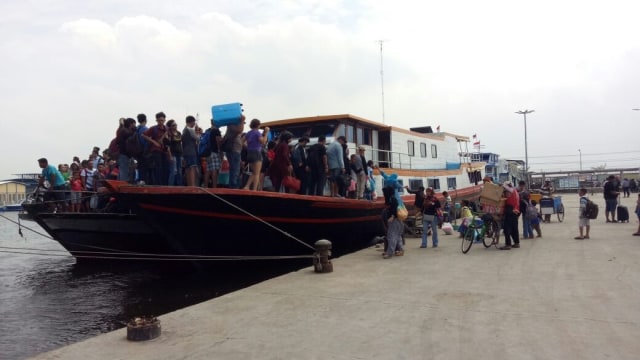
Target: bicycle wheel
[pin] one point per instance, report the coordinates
(495, 231)
(561, 212)
(490, 230)
(467, 239)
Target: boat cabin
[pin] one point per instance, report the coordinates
(416, 153)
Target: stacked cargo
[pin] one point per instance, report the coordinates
(491, 199)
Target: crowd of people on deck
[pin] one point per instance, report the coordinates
(163, 155)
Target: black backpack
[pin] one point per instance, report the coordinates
(591, 210)
(313, 157)
(133, 144)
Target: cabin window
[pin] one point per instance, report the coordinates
(451, 183)
(414, 184)
(340, 131)
(350, 134)
(434, 151)
(423, 150)
(359, 136)
(434, 183)
(410, 148)
(475, 177)
(366, 137)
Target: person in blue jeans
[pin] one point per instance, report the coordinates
(430, 218)
(527, 230)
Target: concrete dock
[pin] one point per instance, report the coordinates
(553, 298)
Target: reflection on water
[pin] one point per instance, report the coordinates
(48, 302)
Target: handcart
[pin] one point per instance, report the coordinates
(550, 206)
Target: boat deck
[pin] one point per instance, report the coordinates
(554, 298)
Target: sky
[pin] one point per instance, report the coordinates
(71, 69)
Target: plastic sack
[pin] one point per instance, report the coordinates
(447, 228)
(402, 212)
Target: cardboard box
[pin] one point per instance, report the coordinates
(492, 191)
(490, 206)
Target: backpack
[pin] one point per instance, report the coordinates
(227, 143)
(204, 147)
(531, 212)
(313, 157)
(133, 145)
(114, 151)
(591, 210)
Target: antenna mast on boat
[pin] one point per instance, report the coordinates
(381, 42)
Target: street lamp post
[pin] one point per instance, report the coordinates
(580, 151)
(526, 154)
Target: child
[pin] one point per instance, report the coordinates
(637, 233)
(466, 216)
(76, 191)
(535, 222)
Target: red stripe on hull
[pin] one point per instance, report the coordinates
(243, 217)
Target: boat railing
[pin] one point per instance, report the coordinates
(392, 159)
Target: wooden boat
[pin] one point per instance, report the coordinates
(240, 224)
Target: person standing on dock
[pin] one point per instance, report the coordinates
(527, 231)
(394, 226)
(547, 191)
(430, 218)
(511, 214)
(583, 220)
(610, 198)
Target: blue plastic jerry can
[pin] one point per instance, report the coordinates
(226, 114)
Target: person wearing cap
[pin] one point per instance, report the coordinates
(511, 214)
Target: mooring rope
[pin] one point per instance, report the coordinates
(109, 253)
(146, 257)
(127, 255)
(258, 218)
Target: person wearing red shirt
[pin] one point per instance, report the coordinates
(511, 214)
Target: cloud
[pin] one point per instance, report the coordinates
(467, 66)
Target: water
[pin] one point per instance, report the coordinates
(47, 301)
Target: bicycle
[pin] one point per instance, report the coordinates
(485, 228)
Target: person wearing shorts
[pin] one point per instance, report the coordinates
(610, 198)
(583, 221)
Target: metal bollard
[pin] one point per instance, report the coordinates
(321, 262)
